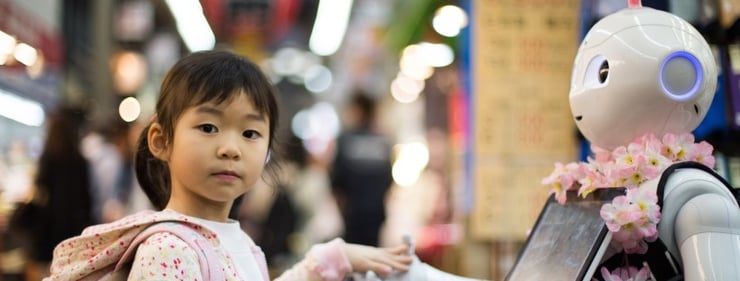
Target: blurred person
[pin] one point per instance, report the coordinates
(310, 190)
(62, 183)
(17, 179)
(116, 206)
(110, 160)
(114, 188)
(19, 174)
(361, 172)
(307, 190)
(276, 229)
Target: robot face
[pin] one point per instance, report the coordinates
(641, 71)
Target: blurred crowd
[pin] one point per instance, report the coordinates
(82, 176)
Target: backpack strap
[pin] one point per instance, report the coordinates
(689, 165)
(207, 257)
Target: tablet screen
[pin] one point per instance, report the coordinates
(565, 239)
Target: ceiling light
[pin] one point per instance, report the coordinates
(21, 110)
(331, 22)
(192, 24)
(448, 20)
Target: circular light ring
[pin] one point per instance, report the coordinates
(697, 68)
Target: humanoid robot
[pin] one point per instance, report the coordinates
(641, 71)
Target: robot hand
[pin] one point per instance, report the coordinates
(418, 271)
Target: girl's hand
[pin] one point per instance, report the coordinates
(380, 260)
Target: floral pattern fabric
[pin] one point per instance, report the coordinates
(94, 255)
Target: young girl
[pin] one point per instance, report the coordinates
(208, 144)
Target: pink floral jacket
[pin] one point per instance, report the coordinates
(95, 253)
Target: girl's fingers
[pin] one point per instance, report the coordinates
(382, 261)
(401, 263)
(379, 268)
(396, 261)
(401, 249)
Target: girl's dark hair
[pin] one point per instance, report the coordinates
(201, 77)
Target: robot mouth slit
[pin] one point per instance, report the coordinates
(579, 117)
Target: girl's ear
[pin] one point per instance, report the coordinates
(157, 142)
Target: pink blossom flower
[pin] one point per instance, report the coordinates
(629, 273)
(560, 195)
(647, 202)
(655, 163)
(652, 143)
(592, 179)
(595, 165)
(618, 174)
(632, 218)
(702, 153)
(620, 213)
(627, 155)
(601, 155)
(640, 172)
(677, 147)
(561, 180)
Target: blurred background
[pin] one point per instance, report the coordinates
(454, 111)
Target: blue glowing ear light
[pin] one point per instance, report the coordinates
(691, 92)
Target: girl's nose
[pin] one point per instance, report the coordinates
(229, 150)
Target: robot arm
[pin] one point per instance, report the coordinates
(700, 223)
(418, 271)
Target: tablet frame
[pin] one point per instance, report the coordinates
(532, 264)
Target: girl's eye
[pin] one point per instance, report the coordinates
(207, 128)
(251, 134)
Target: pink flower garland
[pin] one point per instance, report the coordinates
(632, 218)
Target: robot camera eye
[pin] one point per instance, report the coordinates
(597, 72)
(603, 71)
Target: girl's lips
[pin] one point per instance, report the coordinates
(227, 176)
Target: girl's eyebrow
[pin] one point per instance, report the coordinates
(209, 110)
(214, 111)
(255, 117)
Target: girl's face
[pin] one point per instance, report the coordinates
(217, 153)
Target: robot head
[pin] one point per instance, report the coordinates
(641, 71)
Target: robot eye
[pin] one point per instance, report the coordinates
(604, 71)
(597, 72)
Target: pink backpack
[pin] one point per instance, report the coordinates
(103, 252)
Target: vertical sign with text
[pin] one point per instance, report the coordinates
(523, 52)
